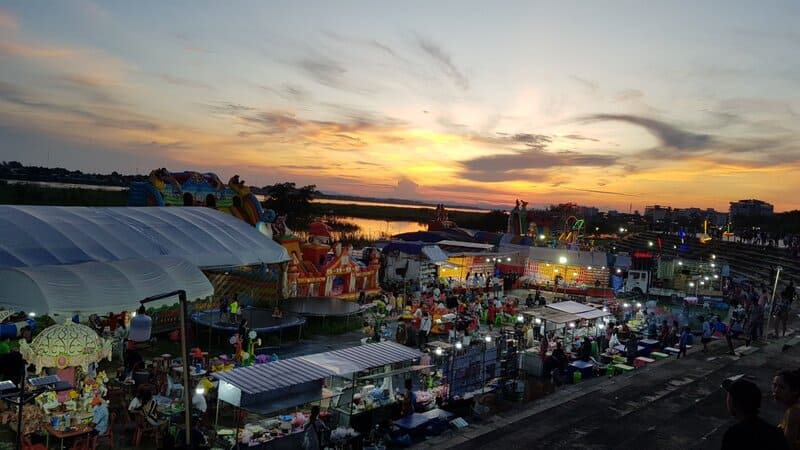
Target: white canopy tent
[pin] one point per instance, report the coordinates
(33, 236)
(98, 287)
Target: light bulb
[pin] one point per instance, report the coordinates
(488, 339)
(438, 351)
(459, 345)
(200, 390)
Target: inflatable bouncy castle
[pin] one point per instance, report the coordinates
(201, 189)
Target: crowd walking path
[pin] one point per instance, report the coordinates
(672, 404)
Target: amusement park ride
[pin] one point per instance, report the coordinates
(318, 267)
(529, 227)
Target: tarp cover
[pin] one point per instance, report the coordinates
(363, 357)
(52, 235)
(98, 287)
(571, 307)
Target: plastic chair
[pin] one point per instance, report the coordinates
(28, 445)
(143, 427)
(108, 437)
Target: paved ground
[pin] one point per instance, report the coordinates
(674, 404)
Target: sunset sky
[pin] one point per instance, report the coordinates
(611, 104)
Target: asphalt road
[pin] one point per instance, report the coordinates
(676, 404)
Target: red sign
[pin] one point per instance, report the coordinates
(642, 255)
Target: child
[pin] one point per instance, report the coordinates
(685, 339)
(706, 338)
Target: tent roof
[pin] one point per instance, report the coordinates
(551, 315)
(52, 235)
(98, 287)
(363, 357)
(263, 378)
(593, 314)
(571, 307)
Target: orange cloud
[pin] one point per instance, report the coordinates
(32, 51)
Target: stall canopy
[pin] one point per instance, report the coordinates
(551, 315)
(432, 252)
(266, 388)
(593, 314)
(355, 359)
(571, 307)
(33, 236)
(98, 287)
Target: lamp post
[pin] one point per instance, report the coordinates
(772, 301)
(140, 330)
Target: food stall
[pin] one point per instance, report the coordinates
(342, 382)
(366, 380)
(268, 389)
(551, 323)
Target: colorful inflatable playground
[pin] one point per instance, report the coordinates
(319, 267)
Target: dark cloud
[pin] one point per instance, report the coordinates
(578, 137)
(330, 73)
(522, 165)
(367, 163)
(628, 95)
(291, 92)
(449, 125)
(589, 85)
(598, 191)
(301, 167)
(11, 94)
(668, 135)
(443, 60)
(529, 140)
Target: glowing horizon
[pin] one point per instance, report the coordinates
(602, 105)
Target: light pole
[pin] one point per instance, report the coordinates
(140, 330)
(772, 301)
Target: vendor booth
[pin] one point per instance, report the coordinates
(354, 387)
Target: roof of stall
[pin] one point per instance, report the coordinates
(369, 356)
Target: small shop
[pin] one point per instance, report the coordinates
(355, 388)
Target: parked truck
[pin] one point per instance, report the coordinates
(681, 286)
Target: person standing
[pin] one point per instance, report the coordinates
(121, 339)
(706, 337)
(312, 440)
(786, 391)
(223, 309)
(750, 431)
(684, 341)
(425, 326)
(234, 309)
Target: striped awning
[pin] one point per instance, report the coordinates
(355, 359)
(276, 375)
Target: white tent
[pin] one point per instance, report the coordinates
(98, 287)
(33, 236)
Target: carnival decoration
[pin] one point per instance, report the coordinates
(66, 345)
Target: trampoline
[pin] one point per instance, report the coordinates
(323, 307)
(260, 320)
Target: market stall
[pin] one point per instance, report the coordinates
(267, 389)
(367, 377)
(70, 352)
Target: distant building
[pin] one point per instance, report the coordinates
(751, 207)
(657, 213)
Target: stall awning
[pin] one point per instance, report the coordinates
(434, 253)
(265, 388)
(571, 307)
(98, 287)
(551, 315)
(33, 236)
(593, 314)
(363, 357)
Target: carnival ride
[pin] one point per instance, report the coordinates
(260, 320)
(572, 234)
(201, 189)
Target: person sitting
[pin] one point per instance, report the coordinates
(277, 313)
(152, 415)
(198, 439)
(558, 359)
(585, 350)
(100, 417)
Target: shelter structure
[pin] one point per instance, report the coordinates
(90, 260)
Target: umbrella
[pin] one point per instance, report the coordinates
(66, 345)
